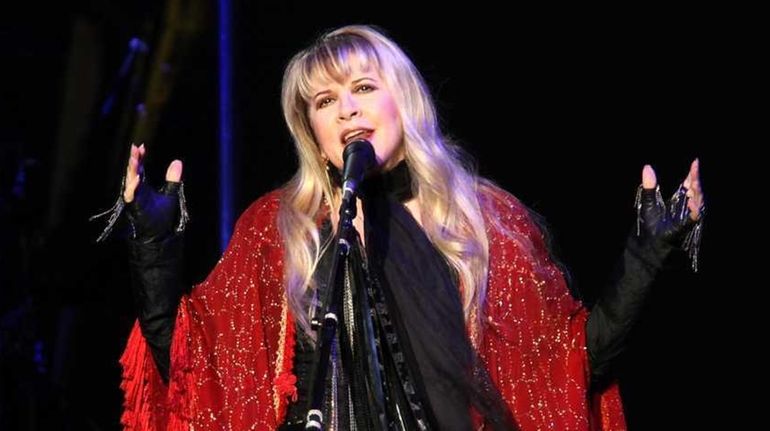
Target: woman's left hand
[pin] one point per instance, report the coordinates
(678, 222)
(691, 185)
(669, 221)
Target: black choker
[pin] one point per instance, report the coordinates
(396, 182)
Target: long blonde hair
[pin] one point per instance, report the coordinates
(445, 186)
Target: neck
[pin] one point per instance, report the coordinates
(395, 183)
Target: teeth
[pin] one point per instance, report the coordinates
(352, 135)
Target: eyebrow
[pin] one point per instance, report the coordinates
(315, 96)
(355, 81)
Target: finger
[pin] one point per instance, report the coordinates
(695, 206)
(649, 180)
(132, 176)
(140, 160)
(694, 189)
(131, 165)
(135, 160)
(695, 176)
(694, 192)
(130, 190)
(692, 182)
(133, 172)
(174, 171)
(692, 175)
(132, 169)
(694, 168)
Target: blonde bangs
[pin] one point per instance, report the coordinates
(330, 61)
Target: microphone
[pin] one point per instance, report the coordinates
(359, 159)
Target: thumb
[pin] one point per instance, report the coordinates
(174, 171)
(649, 180)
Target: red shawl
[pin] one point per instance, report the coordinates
(233, 345)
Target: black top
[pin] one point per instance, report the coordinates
(423, 357)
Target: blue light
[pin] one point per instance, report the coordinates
(225, 124)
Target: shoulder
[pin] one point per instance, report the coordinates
(259, 222)
(506, 214)
(512, 225)
(253, 256)
(263, 209)
(521, 264)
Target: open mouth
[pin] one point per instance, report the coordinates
(353, 135)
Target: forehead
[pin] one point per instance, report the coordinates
(332, 64)
(354, 67)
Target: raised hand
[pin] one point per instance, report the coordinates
(135, 171)
(153, 214)
(679, 221)
(156, 253)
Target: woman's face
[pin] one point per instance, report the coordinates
(361, 106)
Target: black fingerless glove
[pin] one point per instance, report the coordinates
(660, 230)
(153, 214)
(671, 224)
(156, 264)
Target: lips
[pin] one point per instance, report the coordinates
(350, 135)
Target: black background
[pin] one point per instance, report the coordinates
(560, 106)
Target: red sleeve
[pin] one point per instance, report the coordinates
(229, 343)
(534, 336)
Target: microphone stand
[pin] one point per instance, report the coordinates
(329, 310)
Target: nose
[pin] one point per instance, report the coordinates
(348, 107)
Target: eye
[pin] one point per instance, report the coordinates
(323, 102)
(364, 88)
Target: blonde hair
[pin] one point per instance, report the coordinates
(445, 187)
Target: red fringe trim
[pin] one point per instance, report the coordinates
(142, 387)
(181, 378)
(150, 405)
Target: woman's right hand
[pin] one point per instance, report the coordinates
(153, 214)
(135, 169)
